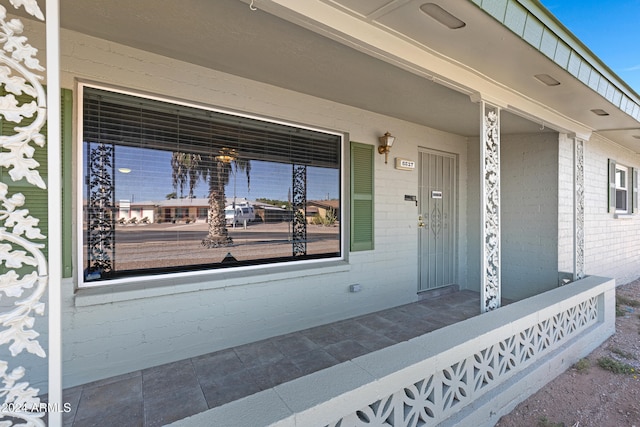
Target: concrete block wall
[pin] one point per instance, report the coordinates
(612, 245)
(529, 178)
(529, 209)
(124, 328)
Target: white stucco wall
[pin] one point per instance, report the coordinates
(124, 329)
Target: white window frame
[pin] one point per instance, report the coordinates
(230, 275)
(622, 187)
(628, 186)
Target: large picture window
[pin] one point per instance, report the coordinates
(170, 187)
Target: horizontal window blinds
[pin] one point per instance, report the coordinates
(122, 119)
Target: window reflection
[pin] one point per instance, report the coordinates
(154, 206)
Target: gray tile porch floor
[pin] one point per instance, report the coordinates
(163, 394)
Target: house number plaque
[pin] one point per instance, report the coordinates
(404, 164)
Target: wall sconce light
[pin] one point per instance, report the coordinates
(386, 142)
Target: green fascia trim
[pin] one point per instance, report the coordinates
(543, 31)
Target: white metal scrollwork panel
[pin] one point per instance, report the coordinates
(490, 206)
(24, 275)
(578, 233)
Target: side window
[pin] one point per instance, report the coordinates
(623, 188)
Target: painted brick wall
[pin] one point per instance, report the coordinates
(129, 328)
(529, 193)
(612, 245)
(529, 178)
(565, 204)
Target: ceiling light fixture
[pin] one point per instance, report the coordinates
(124, 170)
(442, 16)
(599, 112)
(547, 79)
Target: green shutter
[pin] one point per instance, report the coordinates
(612, 185)
(362, 162)
(36, 199)
(67, 183)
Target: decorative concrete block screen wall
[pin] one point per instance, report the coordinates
(467, 374)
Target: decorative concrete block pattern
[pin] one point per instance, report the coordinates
(430, 400)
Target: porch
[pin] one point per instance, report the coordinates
(565, 323)
(163, 394)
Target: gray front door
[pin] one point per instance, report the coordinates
(438, 209)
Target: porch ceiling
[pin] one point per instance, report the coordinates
(226, 35)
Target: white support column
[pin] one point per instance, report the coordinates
(490, 206)
(54, 147)
(28, 268)
(578, 208)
